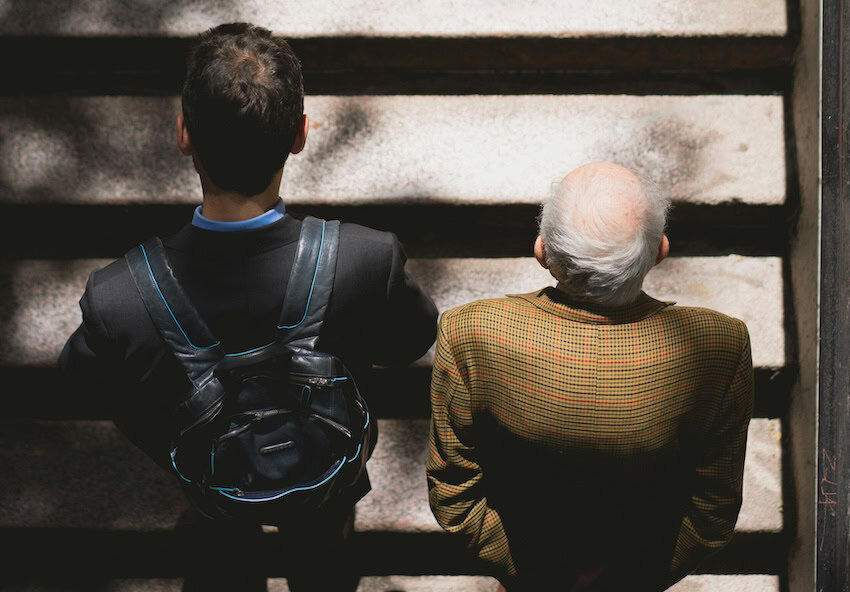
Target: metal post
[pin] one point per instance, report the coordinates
(833, 525)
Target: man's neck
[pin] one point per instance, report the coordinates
(228, 206)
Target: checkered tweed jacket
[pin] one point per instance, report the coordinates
(578, 444)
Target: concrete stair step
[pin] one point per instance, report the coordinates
(695, 583)
(481, 150)
(728, 583)
(85, 476)
(44, 310)
(688, 46)
(303, 18)
(733, 284)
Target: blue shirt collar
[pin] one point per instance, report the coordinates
(273, 215)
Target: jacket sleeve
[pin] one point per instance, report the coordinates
(710, 519)
(456, 483)
(408, 323)
(87, 360)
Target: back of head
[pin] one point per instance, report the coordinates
(601, 230)
(243, 100)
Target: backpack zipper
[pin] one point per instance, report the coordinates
(250, 418)
(315, 380)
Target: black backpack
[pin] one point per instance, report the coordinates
(274, 430)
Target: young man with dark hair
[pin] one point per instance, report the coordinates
(242, 116)
(243, 106)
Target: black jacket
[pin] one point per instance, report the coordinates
(377, 315)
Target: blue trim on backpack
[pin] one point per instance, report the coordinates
(283, 493)
(223, 489)
(360, 445)
(312, 285)
(164, 301)
(250, 351)
(174, 464)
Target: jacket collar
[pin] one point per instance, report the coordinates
(556, 302)
(210, 243)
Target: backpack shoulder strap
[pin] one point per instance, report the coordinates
(310, 283)
(172, 312)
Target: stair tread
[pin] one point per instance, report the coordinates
(86, 475)
(481, 150)
(45, 293)
(302, 18)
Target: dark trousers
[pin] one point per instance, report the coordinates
(312, 551)
(321, 558)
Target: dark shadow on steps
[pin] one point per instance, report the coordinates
(351, 65)
(76, 554)
(393, 394)
(66, 231)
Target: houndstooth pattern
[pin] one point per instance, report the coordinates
(624, 380)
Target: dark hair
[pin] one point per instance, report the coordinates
(242, 102)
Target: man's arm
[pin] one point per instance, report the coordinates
(408, 318)
(710, 520)
(86, 359)
(456, 482)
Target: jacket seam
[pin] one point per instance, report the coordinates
(98, 318)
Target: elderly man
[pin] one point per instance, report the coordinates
(588, 436)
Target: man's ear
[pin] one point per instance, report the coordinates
(539, 253)
(183, 140)
(663, 249)
(301, 135)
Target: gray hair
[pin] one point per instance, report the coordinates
(590, 250)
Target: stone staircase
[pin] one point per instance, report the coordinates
(443, 121)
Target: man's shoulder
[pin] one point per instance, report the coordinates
(482, 312)
(357, 233)
(109, 281)
(365, 255)
(110, 290)
(698, 323)
(363, 247)
(706, 321)
(113, 303)
(497, 304)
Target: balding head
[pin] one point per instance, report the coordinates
(607, 199)
(601, 231)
